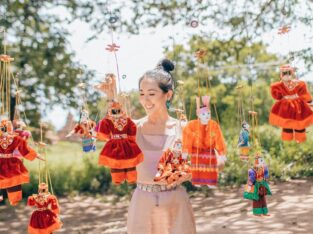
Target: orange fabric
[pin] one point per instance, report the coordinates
(14, 197)
(300, 136)
(286, 136)
(196, 135)
(291, 110)
(14, 180)
(57, 225)
(289, 123)
(31, 155)
(118, 177)
(102, 136)
(120, 163)
(131, 176)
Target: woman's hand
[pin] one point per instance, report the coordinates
(221, 160)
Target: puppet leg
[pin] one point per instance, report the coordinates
(131, 175)
(118, 175)
(300, 135)
(15, 194)
(287, 134)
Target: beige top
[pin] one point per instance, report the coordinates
(152, 147)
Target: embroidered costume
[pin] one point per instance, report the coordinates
(12, 170)
(44, 220)
(173, 168)
(121, 152)
(202, 138)
(291, 111)
(257, 187)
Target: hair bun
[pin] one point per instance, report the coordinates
(167, 65)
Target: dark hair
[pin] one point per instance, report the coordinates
(162, 75)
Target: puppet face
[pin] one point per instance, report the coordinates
(246, 126)
(6, 127)
(84, 116)
(204, 115)
(43, 188)
(152, 98)
(286, 75)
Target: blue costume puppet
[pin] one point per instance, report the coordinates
(243, 142)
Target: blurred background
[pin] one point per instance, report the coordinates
(58, 44)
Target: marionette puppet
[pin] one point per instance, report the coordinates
(85, 129)
(19, 129)
(45, 219)
(257, 187)
(173, 166)
(292, 109)
(12, 170)
(243, 142)
(121, 152)
(204, 141)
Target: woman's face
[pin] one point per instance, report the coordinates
(152, 97)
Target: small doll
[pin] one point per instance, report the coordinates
(203, 139)
(292, 109)
(45, 219)
(12, 170)
(85, 129)
(243, 142)
(121, 152)
(19, 129)
(173, 167)
(257, 187)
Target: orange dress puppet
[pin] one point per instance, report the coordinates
(121, 152)
(12, 170)
(173, 168)
(44, 219)
(202, 138)
(291, 111)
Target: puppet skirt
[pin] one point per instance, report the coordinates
(12, 172)
(167, 212)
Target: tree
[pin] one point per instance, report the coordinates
(36, 38)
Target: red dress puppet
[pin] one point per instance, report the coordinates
(12, 171)
(202, 138)
(292, 111)
(121, 152)
(173, 168)
(44, 219)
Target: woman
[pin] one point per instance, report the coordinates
(157, 208)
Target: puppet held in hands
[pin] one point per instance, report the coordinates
(173, 167)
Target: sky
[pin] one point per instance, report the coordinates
(139, 53)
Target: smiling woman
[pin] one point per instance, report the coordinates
(156, 208)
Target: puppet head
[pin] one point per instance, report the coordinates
(6, 126)
(115, 110)
(43, 188)
(203, 111)
(19, 124)
(287, 72)
(259, 161)
(84, 116)
(245, 125)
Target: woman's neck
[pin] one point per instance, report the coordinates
(159, 118)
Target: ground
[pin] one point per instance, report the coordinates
(223, 211)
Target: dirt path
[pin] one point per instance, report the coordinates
(291, 207)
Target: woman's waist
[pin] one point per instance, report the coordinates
(154, 188)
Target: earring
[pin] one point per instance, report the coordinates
(168, 104)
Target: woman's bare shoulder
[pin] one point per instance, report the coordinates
(140, 121)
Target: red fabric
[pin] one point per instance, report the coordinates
(42, 219)
(13, 168)
(295, 111)
(123, 150)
